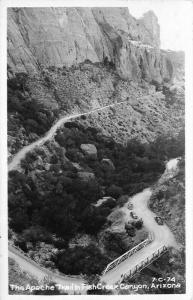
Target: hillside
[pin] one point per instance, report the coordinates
(66, 194)
(35, 102)
(69, 59)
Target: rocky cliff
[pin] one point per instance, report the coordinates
(67, 36)
(77, 59)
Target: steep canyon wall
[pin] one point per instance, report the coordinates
(67, 36)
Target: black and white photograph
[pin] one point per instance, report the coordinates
(95, 140)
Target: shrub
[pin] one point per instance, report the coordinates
(110, 203)
(36, 234)
(114, 242)
(114, 191)
(138, 224)
(92, 220)
(18, 82)
(78, 260)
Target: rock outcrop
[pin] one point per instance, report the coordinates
(89, 150)
(67, 36)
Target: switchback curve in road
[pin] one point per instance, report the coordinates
(50, 134)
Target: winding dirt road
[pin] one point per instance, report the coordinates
(162, 237)
(40, 273)
(162, 234)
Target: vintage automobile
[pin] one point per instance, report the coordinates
(130, 206)
(159, 220)
(133, 215)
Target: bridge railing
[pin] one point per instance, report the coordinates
(143, 264)
(127, 254)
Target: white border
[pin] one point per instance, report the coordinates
(3, 141)
(66, 3)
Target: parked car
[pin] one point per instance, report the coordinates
(133, 215)
(130, 229)
(159, 220)
(130, 206)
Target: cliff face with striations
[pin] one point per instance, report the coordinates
(67, 36)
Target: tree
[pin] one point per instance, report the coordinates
(79, 260)
(114, 242)
(92, 220)
(138, 224)
(18, 82)
(130, 229)
(109, 203)
(36, 234)
(114, 191)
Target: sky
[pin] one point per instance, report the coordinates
(173, 18)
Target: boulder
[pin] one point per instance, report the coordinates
(86, 176)
(89, 150)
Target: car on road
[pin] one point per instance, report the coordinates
(133, 215)
(159, 220)
(130, 206)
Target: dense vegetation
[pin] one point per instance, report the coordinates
(49, 202)
(28, 116)
(79, 260)
(31, 114)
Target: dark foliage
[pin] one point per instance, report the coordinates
(88, 260)
(31, 114)
(114, 243)
(58, 201)
(137, 224)
(63, 203)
